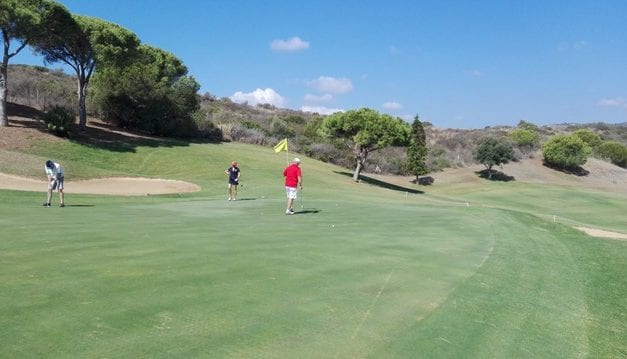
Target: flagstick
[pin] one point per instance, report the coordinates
(287, 152)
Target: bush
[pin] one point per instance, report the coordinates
(566, 151)
(590, 138)
(525, 139)
(60, 120)
(613, 151)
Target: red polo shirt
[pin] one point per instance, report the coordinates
(291, 173)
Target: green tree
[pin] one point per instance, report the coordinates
(491, 151)
(24, 21)
(84, 42)
(152, 93)
(613, 151)
(524, 125)
(365, 130)
(591, 138)
(525, 139)
(417, 149)
(566, 151)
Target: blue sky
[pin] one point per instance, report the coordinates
(457, 64)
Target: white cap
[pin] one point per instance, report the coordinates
(296, 160)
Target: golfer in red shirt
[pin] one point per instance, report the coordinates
(293, 180)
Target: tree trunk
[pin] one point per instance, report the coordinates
(361, 155)
(4, 116)
(82, 111)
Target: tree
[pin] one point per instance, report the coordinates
(566, 151)
(525, 138)
(151, 93)
(84, 42)
(24, 21)
(365, 130)
(417, 150)
(491, 151)
(614, 151)
(590, 138)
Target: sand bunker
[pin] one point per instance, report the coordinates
(122, 186)
(601, 233)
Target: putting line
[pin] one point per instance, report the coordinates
(374, 302)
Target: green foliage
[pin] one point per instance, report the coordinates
(59, 120)
(566, 151)
(280, 129)
(206, 129)
(151, 93)
(525, 138)
(295, 119)
(590, 138)
(524, 125)
(310, 131)
(492, 151)
(417, 150)
(82, 42)
(365, 130)
(613, 151)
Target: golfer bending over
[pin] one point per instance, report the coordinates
(293, 181)
(233, 173)
(55, 181)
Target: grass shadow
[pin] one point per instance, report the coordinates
(382, 184)
(496, 176)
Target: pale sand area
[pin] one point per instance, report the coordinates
(122, 186)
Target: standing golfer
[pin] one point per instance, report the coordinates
(234, 174)
(55, 181)
(293, 181)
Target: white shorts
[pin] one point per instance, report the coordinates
(291, 192)
(56, 184)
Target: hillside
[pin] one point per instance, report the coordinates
(265, 125)
(25, 131)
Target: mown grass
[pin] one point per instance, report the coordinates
(364, 270)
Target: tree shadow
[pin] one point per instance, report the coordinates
(424, 181)
(496, 176)
(378, 183)
(573, 170)
(98, 134)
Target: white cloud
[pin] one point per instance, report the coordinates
(613, 102)
(321, 110)
(315, 98)
(289, 45)
(392, 106)
(331, 84)
(259, 96)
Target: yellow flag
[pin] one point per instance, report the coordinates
(281, 146)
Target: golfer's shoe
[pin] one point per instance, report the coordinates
(46, 204)
(289, 212)
(62, 205)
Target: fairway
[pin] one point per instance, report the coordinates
(360, 271)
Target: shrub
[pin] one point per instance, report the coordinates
(566, 151)
(525, 139)
(60, 120)
(613, 151)
(590, 138)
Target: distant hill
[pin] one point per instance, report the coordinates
(39, 88)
